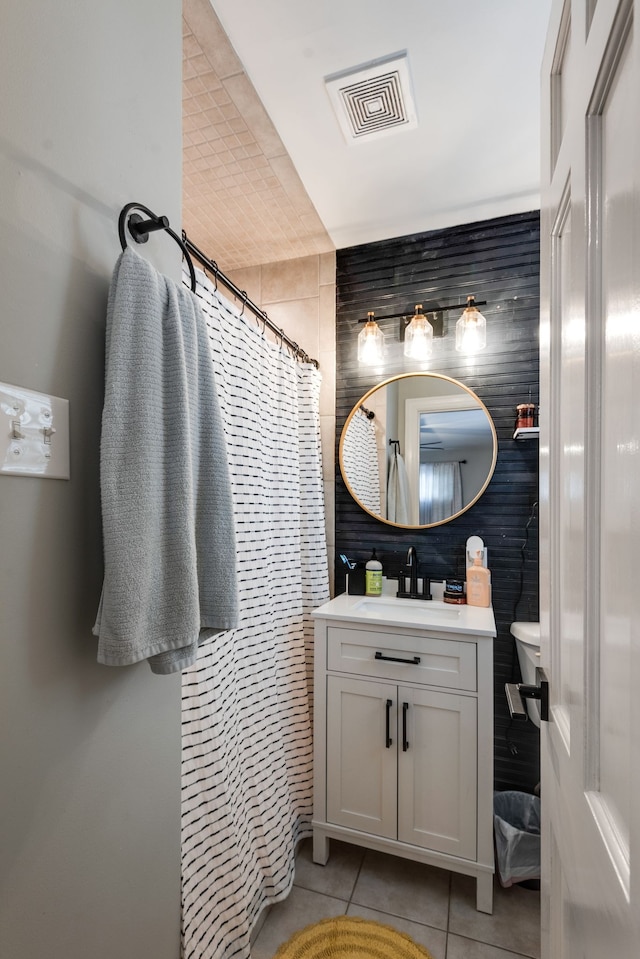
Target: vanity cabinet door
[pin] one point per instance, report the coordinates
(437, 771)
(361, 755)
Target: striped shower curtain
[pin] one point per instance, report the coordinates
(246, 722)
(360, 459)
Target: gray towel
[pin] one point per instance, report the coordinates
(169, 541)
(398, 494)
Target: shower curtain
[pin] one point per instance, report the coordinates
(246, 720)
(360, 459)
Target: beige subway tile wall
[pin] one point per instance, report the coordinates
(245, 206)
(243, 201)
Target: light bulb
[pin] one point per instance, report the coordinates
(370, 343)
(471, 329)
(418, 336)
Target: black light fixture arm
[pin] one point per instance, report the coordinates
(433, 309)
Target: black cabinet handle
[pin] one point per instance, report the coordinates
(388, 739)
(395, 659)
(405, 742)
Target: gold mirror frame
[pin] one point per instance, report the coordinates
(363, 401)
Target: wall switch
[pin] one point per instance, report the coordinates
(34, 433)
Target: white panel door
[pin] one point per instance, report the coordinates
(362, 776)
(437, 771)
(590, 479)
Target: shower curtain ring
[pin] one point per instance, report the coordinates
(245, 297)
(264, 323)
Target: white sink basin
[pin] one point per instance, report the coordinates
(390, 610)
(408, 610)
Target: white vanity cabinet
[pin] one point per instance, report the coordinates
(403, 735)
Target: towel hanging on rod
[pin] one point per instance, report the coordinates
(140, 230)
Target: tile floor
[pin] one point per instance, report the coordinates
(435, 907)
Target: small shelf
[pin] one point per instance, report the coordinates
(526, 433)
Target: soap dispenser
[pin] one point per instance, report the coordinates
(478, 583)
(373, 576)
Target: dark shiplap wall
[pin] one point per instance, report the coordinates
(498, 261)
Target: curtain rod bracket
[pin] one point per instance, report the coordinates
(140, 229)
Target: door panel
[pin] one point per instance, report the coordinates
(567, 461)
(590, 479)
(561, 71)
(618, 439)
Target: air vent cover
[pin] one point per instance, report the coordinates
(374, 99)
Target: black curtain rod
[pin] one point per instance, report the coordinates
(140, 230)
(220, 277)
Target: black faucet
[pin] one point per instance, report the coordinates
(412, 566)
(411, 570)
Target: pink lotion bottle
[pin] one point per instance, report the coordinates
(478, 583)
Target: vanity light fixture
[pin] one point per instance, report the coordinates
(370, 342)
(471, 329)
(418, 336)
(418, 332)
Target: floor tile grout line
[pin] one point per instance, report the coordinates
(355, 882)
(510, 952)
(349, 899)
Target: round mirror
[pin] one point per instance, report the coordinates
(418, 450)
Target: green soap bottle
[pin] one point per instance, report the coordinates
(373, 577)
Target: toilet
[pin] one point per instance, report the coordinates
(527, 637)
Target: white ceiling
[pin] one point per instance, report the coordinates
(475, 68)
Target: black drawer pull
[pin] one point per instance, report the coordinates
(389, 741)
(405, 741)
(396, 659)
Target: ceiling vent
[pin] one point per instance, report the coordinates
(374, 99)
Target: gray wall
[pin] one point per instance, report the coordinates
(90, 119)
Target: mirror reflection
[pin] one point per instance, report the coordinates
(418, 450)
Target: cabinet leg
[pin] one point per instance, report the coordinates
(484, 893)
(320, 848)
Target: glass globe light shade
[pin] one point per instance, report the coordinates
(370, 343)
(418, 336)
(471, 329)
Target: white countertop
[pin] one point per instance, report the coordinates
(388, 610)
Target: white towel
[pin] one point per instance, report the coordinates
(398, 495)
(169, 541)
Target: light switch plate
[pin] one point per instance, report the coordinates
(34, 433)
